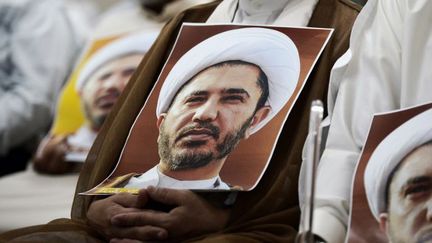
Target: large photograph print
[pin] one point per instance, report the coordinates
(214, 116)
(392, 191)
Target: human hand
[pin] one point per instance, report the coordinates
(102, 211)
(191, 216)
(50, 155)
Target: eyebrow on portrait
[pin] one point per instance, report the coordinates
(236, 91)
(417, 180)
(198, 93)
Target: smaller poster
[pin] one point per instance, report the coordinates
(214, 115)
(392, 193)
(89, 95)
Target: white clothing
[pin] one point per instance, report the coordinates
(154, 177)
(83, 137)
(271, 12)
(387, 67)
(130, 16)
(37, 51)
(85, 14)
(81, 140)
(124, 17)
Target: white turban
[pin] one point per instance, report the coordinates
(389, 153)
(138, 43)
(274, 52)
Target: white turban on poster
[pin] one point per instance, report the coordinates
(389, 153)
(274, 52)
(137, 43)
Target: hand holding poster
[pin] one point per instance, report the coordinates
(220, 102)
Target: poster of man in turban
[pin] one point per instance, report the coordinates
(393, 182)
(88, 96)
(214, 116)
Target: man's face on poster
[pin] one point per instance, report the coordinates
(409, 217)
(105, 85)
(210, 115)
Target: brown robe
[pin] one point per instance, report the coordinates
(269, 213)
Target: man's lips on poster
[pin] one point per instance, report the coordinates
(198, 133)
(107, 101)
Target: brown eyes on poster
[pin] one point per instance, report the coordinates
(393, 182)
(214, 116)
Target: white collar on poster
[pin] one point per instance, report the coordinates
(272, 12)
(154, 177)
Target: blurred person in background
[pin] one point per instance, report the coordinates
(38, 48)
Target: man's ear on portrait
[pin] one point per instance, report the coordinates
(259, 116)
(160, 120)
(383, 222)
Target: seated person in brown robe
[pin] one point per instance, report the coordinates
(268, 213)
